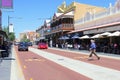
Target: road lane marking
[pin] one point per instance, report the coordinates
(24, 67)
(31, 60)
(80, 57)
(31, 78)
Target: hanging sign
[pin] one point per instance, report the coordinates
(6, 4)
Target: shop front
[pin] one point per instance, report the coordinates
(3, 37)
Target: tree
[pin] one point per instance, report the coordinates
(24, 39)
(11, 35)
(6, 29)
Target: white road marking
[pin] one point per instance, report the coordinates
(90, 70)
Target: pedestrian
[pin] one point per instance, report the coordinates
(93, 50)
(51, 43)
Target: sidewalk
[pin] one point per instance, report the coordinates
(10, 68)
(5, 68)
(108, 55)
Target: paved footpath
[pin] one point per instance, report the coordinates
(5, 67)
(10, 68)
(92, 71)
(5, 70)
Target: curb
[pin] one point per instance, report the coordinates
(16, 70)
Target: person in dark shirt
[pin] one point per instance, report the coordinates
(93, 50)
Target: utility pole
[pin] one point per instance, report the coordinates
(10, 26)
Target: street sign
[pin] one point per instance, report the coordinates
(6, 4)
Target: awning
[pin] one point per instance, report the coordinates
(40, 38)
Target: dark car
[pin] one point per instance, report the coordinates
(16, 43)
(30, 44)
(23, 46)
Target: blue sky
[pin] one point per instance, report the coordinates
(26, 13)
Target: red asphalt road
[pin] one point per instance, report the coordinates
(36, 67)
(105, 62)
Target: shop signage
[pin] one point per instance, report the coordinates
(6, 4)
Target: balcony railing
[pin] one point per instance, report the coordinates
(99, 22)
(108, 12)
(63, 27)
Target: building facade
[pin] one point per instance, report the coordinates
(64, 20)
(3, 35)
(31, 35)
(83, 19)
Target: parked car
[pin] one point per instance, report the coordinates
(30, 44)
(23, 46)
(42, 45)
(16, 43)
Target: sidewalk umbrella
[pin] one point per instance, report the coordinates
(117, 33)
(75, 37)
(64, 37)
(85, 37)
(61, 38)
(97, 36)
(105, 33)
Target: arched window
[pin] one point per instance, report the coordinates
(117, 5)
(88, 16)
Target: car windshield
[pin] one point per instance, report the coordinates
(42, 43)
(23, 43)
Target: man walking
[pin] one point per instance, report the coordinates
(93, 50)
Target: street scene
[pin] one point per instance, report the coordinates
(63, 40)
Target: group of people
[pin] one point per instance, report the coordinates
(4, 47)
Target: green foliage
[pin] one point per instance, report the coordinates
(11, 36)
(24, 39)
(6, 29)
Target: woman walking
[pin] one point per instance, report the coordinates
(93, 50)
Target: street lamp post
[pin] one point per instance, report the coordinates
(10, 29)
(10, 26)
(10, 32)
